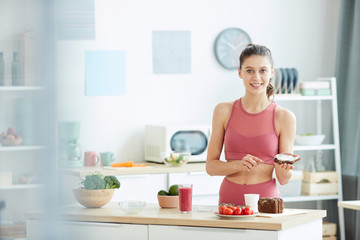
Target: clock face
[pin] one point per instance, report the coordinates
(229, 45)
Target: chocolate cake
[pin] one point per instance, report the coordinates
(270, 205)
(284, 158)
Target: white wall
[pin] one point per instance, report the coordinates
(300, 33)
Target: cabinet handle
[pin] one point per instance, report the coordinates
(197, 173)
(195, 229)
(94, 224)
(133, 176)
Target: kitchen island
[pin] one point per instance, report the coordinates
(110, 222)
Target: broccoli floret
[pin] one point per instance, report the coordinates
(94, 181)
(111, 182)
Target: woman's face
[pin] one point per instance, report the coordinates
(256, 72)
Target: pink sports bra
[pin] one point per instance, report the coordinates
(254, 134)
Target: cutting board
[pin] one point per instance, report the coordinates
(286, 212)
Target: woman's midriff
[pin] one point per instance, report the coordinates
(261, 173)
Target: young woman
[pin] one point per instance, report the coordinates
(253, 129)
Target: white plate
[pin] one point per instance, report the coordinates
(236, 216)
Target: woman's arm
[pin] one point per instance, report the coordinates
(213, 164)
(287, 130)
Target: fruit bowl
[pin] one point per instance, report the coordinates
(168, 201)
(93, 198)
(176, 159)
(11, 142)
(132, 206)
(309, 139)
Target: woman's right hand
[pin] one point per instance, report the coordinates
(249, 162)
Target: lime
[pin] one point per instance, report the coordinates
(174, 190)
(163, 193)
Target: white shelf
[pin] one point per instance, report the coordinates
(21, 148)
(21, 88)
(21, 186)
(314, 147)
(295, 97)
(333, 119)
(310, 198)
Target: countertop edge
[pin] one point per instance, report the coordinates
(151, 168)
(156, 216)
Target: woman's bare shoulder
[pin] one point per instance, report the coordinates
(223, 108)
(284, 114)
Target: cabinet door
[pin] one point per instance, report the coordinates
(140, 187)
(39, 230)
(205, 187)
(181, 233)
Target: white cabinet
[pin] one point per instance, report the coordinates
(132, 187)
(331, 149)
(140, 187)
(309, 231)
(205, 187)
(40, 230)
(181, 232)
(74, 230)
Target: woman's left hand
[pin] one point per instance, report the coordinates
(283, 172)
(286, 166)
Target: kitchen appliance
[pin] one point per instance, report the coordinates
(69, 148)
(166, 138)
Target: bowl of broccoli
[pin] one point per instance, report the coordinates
(96, 190)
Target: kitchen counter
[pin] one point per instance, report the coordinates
(149, 169)
(354, 205)
(153, 214)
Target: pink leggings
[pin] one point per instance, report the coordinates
(234, 193)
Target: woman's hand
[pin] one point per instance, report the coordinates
(286, 166)
(283, 172)
(249, 162)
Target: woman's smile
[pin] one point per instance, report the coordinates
(256, 85)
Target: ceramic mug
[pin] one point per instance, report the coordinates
(107, 158)
(91, 158)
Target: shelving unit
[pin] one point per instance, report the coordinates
(14, 231)
(27, 108)
(335, 146)
(21, 148)
(316, 147)
(20, 88)
(8, 94)
(21, 186)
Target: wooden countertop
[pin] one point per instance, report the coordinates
(151, 168)
(355, 205)
(154, 215)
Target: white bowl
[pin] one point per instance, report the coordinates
(309, 139)
(132, 206)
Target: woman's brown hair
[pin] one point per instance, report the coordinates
(256, 49)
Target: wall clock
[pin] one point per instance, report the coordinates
(228, 46)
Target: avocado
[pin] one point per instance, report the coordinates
(163, 193)
(174, 190)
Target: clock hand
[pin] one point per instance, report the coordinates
(240, 44)
(230, 45)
